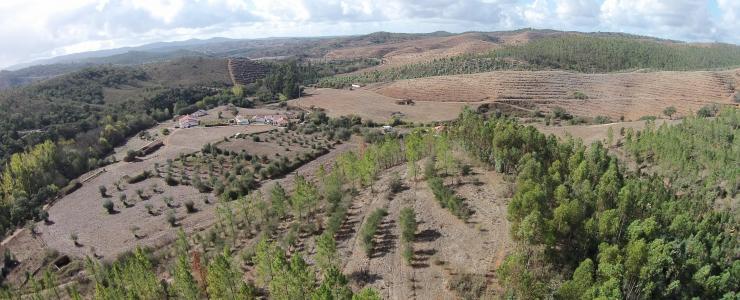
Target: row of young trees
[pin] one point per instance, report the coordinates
(208, 267)
(606, 232)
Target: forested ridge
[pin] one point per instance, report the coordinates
(589, 229)
(591, 54)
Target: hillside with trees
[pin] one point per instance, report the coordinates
(607, 232)
(580, 53)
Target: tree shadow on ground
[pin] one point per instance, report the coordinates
(427, 235)
(363, 277)
(386, 240)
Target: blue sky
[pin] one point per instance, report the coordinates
(33, 29)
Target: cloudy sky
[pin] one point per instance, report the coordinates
(33, 29)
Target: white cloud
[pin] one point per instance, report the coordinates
(31, 29)
(687, 19)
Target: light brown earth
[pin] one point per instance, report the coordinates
(593, 133)
(370, 105)
(82, 212)
(631, 95)
(444, 245)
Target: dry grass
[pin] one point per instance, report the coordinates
(370, 105)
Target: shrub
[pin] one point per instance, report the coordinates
(134, 231)
(466, 169)
(108, 205)
(447, 198)
(408, 253)
(172, 218)
(103, 190)
(407, 220)
(560, 113)
(468, 286)
(140, 177)
(669, 112)
(165, 131)
(396, 185)
(579, 95)
(370, 228)
(149, 208)
(130, 156)
(710, 110)
(75, 239)
(190, 206)
(602, 120)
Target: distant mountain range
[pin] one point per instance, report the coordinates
(268, 48)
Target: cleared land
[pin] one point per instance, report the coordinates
(631, 95)
(82, 212)
(370, 105)
(444, 246)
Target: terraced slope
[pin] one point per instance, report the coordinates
(244, 71)
(631, 95)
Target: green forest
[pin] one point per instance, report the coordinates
(591, 229)
(590, 54)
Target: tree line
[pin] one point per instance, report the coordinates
(591, 54)
(589, 228)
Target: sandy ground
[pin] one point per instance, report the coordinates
(370, 105)
(444, 245)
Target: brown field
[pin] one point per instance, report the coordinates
(82, 212)
(631, 95)
(593, 133)
(370, 105)
(445, 246)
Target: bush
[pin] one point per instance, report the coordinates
(560, 113)
(396, 185)
(109, 207)
(370, 228)
(130, 156)
(172, 218)
(103, 190)
(165, 131)
(140, 177)
(579, 95)
(602, 120)
(466, 169)
(706, 111)
(468, 286)
(407, 220)
(447, 198)
(190, 206)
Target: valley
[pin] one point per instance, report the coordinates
(339, 168)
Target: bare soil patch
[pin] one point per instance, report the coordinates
(631, 95)
(444, 247)
(370, 105)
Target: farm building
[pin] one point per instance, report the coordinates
(188, 121)
(199, 113)
(280, 121)
(241, 120)
(259, 120)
